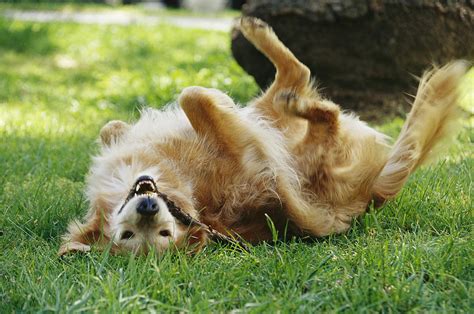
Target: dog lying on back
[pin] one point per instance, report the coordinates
(289, 156)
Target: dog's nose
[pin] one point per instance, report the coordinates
(148, 206)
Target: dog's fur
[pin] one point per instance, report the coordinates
(290, 156)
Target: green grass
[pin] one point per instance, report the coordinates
(59, 83)
(105, 8)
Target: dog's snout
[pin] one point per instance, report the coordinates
(148, 206)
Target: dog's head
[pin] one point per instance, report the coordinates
(144, 220)
(128, 210)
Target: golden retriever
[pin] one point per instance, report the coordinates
(289, 157)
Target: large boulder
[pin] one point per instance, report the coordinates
(364, 54)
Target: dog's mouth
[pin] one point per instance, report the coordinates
(145, 185)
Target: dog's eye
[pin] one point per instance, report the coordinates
(127, 235)
(165, 233)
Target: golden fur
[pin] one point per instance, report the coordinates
(289, 156)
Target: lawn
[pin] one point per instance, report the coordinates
(90, 7)
(59, 83)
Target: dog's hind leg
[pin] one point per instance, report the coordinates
(315, 154)
(291, 74)
(308, 122)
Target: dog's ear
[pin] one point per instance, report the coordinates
(80, 236)
(113, 131)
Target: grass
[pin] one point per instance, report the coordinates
(91, 7)
(59, 83)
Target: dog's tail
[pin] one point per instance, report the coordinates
(433, 120)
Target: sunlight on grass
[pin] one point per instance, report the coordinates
(60, 82)
(104, 8)
(92, 74)
(467, 101)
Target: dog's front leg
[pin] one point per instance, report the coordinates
(322, 117)
(291, 75)
(290, 72)
(214, 116)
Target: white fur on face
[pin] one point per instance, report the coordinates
(159, 231)
(111, 180)
(116, 169)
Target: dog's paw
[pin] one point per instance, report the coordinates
(288, 102)
(322, 111)
(254, 29)
(73, 247)
(204, 97)
(315, 110)
(113, 131)
(249, 23)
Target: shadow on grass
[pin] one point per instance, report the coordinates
(25, 38)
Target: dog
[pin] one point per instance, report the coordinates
(290, 158)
